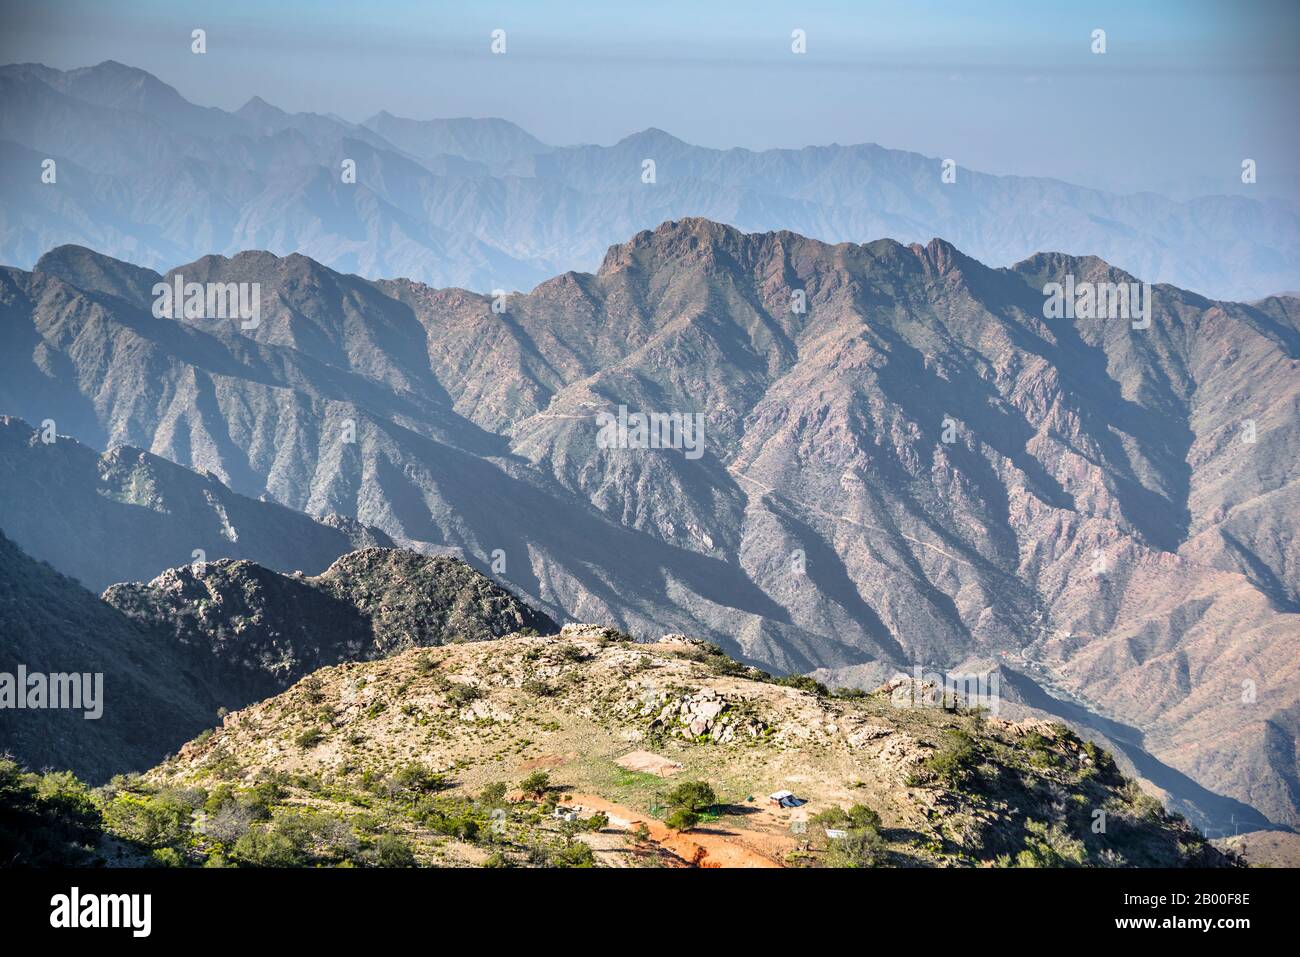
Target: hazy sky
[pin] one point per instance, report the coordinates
(1186, 90)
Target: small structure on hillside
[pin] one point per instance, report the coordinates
(786, 799)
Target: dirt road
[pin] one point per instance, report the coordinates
(709, 845)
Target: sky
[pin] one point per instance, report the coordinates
(1186, 90)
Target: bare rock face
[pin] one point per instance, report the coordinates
(705, 714)
(915, 467)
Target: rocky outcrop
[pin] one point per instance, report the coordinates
(251, 632)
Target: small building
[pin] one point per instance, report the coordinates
(565, 814)
(786, 799)
(835, 833)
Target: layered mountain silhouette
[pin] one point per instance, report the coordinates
(127, 515)
(144, 175)
(174, 653)
(904, 462)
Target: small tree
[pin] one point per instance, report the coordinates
(418, 778)
(693, 796)
(861, 816)
(536, 784)
(493, 794)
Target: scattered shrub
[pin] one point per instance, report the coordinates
(393, 850)
(461, 695)
(418, 779)
(309, 738)
(693, 796)
(955, 760)
(682, 819)
(804, 683)
(862, 847)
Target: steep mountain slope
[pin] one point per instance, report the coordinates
(421, 738)
(126, 515)
(147, 176)
(150, 702)
(916, 468)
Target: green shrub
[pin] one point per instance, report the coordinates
(1143, 804)
(1050, 845)
(804, 683)
(461, 695)
(393, 850)
(218, 797)
(682, 819)
(452, 817)
(418, 779)
(493, 795)
(858, 817)
(45, 820)
(861, 816)
(536, 784)
(1040, 750)
(862, 847)
(152, 820)
(309, 738)
(168, 857)
(266, 847)
(693, 796)
(575, 854)
(955, 760)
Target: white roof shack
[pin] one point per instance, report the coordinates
(836, 834)
(786, 799)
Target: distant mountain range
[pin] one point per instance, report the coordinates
(144, 175)
(918, 468)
